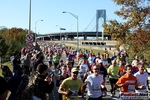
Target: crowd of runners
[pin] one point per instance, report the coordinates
(36, 72)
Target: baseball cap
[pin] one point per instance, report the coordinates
(3, 86)
(97, 59)
(74, 70)
(100, 61)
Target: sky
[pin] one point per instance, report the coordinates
(15, 13)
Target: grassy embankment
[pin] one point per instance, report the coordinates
(8, 64)
(94, 50)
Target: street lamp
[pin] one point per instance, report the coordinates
(77, 30)
(77, 26)
(29, 17)
(35, 28)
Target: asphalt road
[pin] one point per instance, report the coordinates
(55, 96)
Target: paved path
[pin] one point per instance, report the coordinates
(55, 96)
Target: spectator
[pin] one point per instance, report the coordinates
(3, 89)
(16, 85)
(43, 83)
(16, 64)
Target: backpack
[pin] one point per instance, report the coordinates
(34, 90)
(22, 86)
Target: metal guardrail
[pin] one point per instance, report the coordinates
(97, 45)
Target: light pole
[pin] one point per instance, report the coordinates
(77, 26)
(29, 17)
(35, 29)
(77, 31)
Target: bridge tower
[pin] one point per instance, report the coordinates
(100, 14)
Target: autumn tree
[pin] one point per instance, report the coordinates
(13, 39)
(134, 31)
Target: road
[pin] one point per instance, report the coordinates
(55, 96)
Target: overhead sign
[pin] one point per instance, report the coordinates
(29, 37)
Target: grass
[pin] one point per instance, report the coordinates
(94, 50)
(7, 64)
(10, 66)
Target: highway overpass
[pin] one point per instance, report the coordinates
(70, 35)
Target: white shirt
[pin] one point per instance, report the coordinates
(105, 63)
(141, 80)
(90, 60)
(83, 68)
(94, 85)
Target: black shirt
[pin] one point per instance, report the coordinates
(103, 71)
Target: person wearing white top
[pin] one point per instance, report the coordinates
(95, 87)
(84, 68)
(90, 59)
(142, 78)
(104, 61)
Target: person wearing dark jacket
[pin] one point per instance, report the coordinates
(3, 89)
(43, 83)
(60, 78)
(16, 64)
(17, 85)
(37, 62)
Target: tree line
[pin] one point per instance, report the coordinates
(133, 33)
(11, 40)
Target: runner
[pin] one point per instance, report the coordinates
(58, 71)
(121, 69)
(71, 57)
(103, 70)
(127, 83)
(142, 78)
(94, 83)
(56, 59)
(60, 78)
(83, 68)
(134, 67)
(113, 72)
(104, 61)
(71, 87)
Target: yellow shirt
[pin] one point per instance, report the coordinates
(71, 85)
(114, 71)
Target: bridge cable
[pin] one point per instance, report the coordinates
(91, 21)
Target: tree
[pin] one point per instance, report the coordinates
(134, 31)
(3, 47)
(13, 39)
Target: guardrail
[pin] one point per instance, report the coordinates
(97, 44)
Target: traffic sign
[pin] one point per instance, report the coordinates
(29, 45)
(29, 37)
